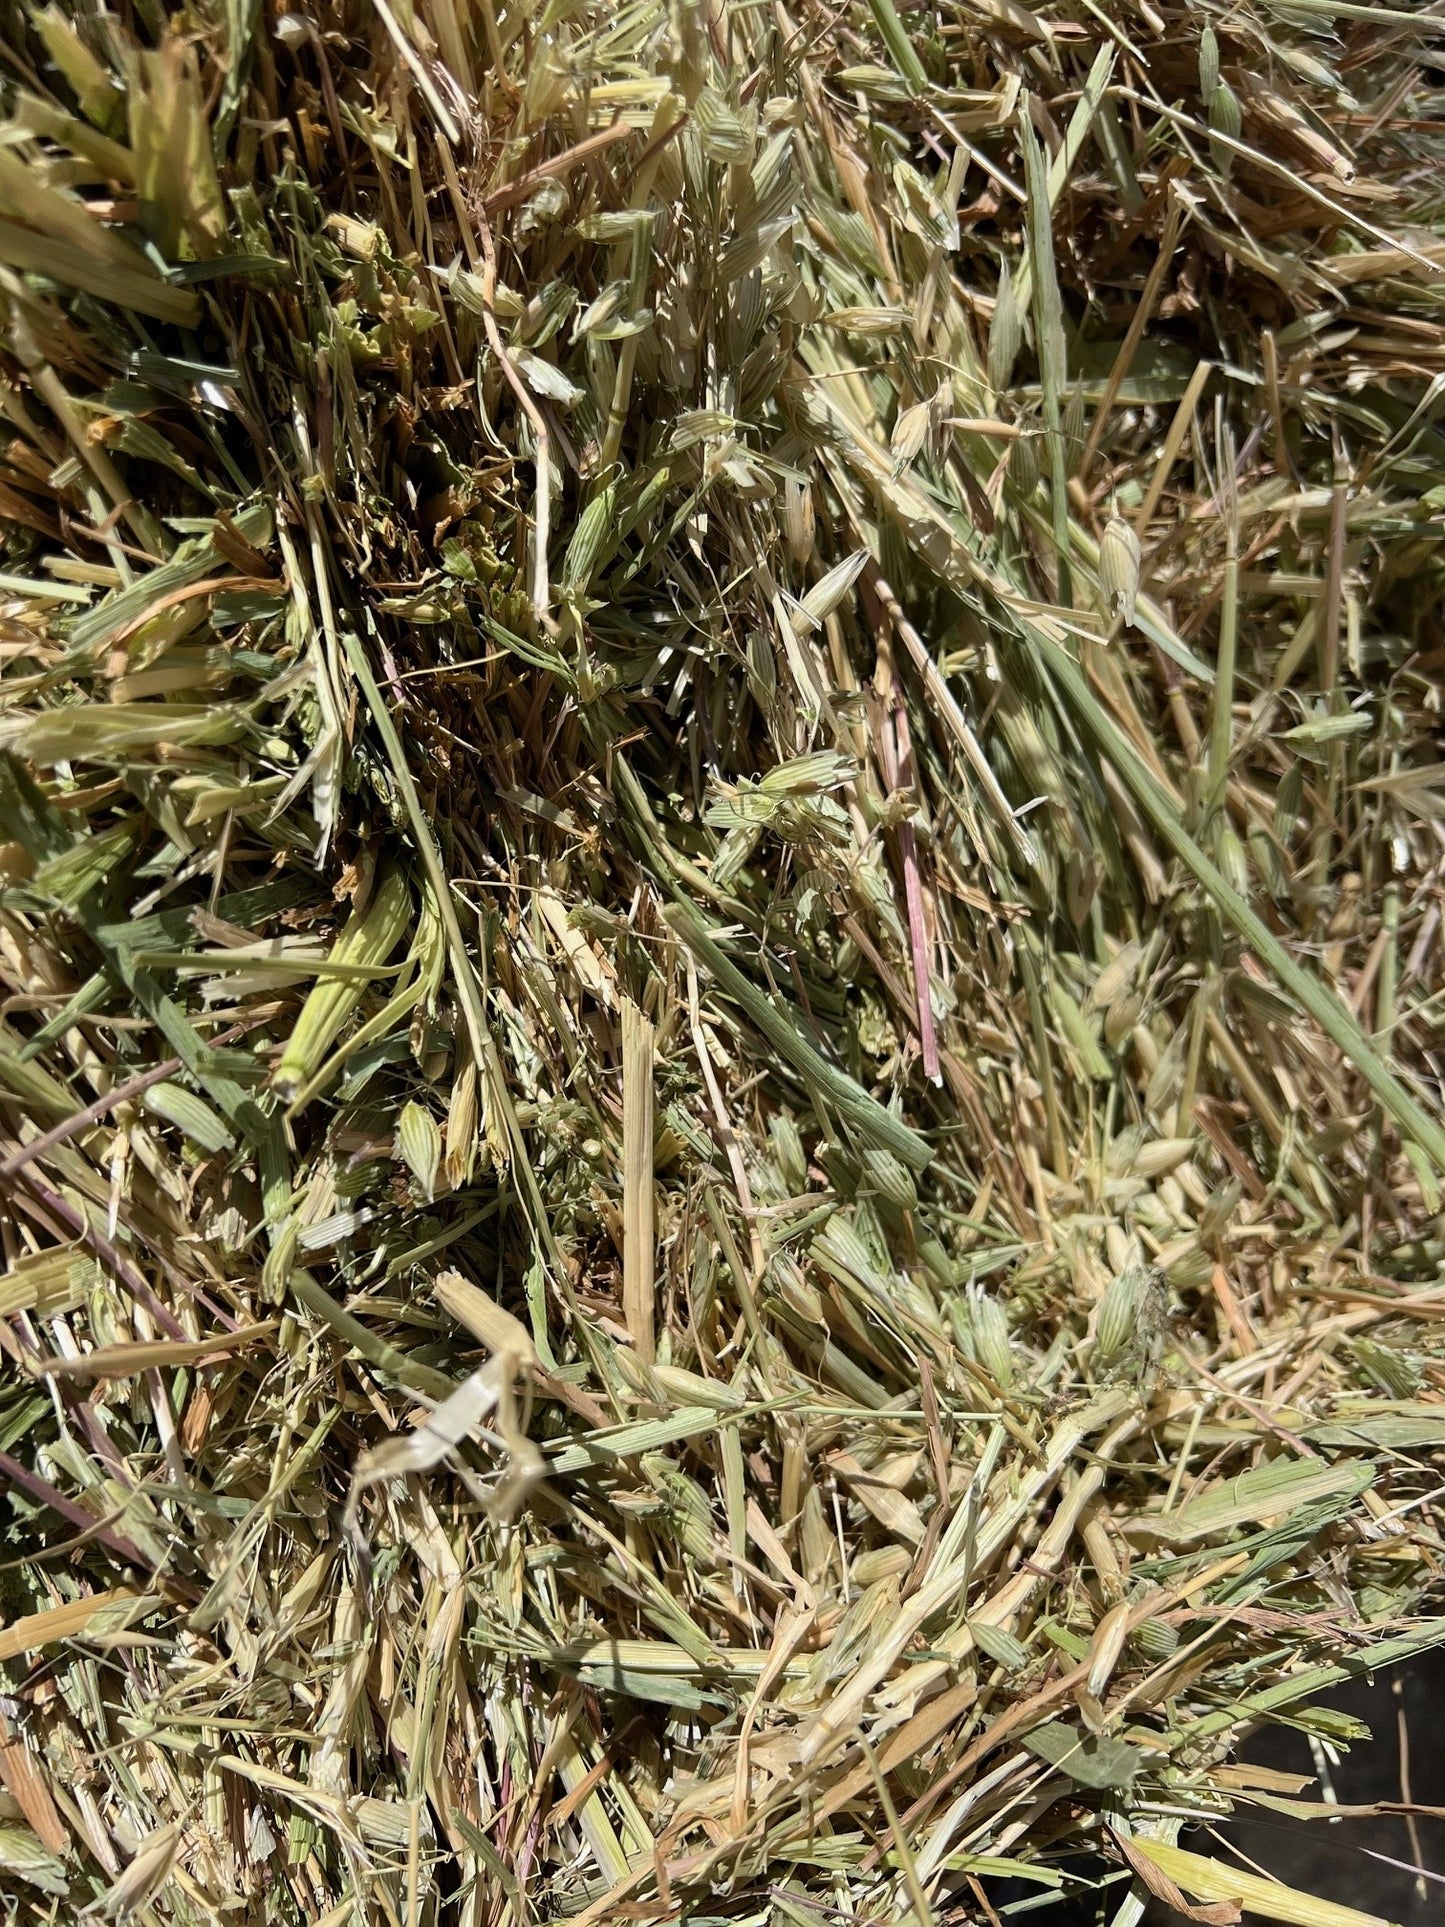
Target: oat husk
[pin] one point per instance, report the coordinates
(720, 942)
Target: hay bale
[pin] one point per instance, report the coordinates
(720, 914)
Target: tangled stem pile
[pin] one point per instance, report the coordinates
(721, 896)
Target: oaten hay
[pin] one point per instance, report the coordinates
(720, 956)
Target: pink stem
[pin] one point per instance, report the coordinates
(913, 892)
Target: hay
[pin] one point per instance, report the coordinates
(720, 943)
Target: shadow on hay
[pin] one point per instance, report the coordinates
(1347, 1860)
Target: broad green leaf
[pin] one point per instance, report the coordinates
(1092, 1759)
